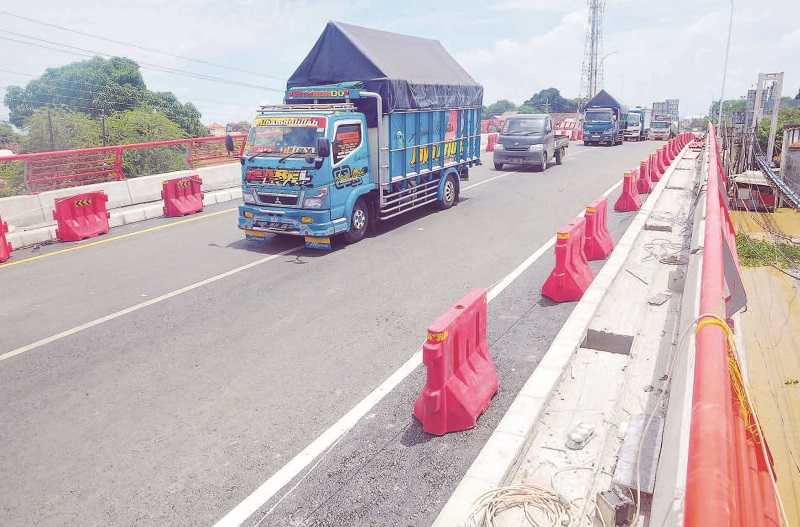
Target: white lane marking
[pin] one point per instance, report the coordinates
(240, 514)
(478, 184)
(137, 307)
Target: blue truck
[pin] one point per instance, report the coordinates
(604, 120)
(373, 125)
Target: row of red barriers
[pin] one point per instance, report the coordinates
(86, 215)
(641, 180)
(491, 141)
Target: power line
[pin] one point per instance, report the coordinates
(59, 80)
(137, 46)
(145, 65)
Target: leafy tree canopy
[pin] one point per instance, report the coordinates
(70, 129)
(8, 135)
(498, 108)
(98, 87)
(550, 101)
(785, 116)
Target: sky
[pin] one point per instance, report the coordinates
(514, 48)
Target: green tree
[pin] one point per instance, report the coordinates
(60, 129)
(785, 116)
(144, 125)
(527, 108)
(499, 108)
(8, 136)
(12, 180)
(550, 101)
(98, 87)
(731, 107)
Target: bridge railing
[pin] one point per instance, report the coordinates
(44, 171)
(729, 479)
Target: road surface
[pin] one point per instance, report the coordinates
(163, 375)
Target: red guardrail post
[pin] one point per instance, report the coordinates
(118, 163)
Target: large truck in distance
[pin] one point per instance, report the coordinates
(604, 120)
(661, 127)
(373, 125)
(529, 139)
(637, 124)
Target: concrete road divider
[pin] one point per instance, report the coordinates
(571, 275)
(81, 216)
(5, 247)
(643, 180)
(182, 196)
(597, 244)
(461, 377)
(629, 199)
(655, 174)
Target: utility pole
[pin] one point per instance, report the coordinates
(592, 67)
(50, 128)
(103, 123)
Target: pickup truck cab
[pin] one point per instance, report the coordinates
(529, 139)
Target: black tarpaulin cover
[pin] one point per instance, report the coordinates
(603, 99)
(408, 72)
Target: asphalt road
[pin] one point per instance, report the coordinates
(159, 378)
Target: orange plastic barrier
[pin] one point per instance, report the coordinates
(81, 216)
(643, 181)
(461, 377)
(597, 243)
(571, 275)
(629, 199)
(5, 247)
(490, 142)
(655, 173)
(182, 196)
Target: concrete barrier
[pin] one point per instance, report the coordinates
(30, 217)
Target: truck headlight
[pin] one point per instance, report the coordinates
(316, 200)
(536, 148)
(499, 146)
(247, 196)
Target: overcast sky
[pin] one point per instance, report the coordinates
(663, 49)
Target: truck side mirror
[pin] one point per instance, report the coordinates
(323, 147)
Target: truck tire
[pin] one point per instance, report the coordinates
(449, 194)
(359, 222)
(559, 155)
(498, 166)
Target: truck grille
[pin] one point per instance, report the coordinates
(519, 148)
(286, 200)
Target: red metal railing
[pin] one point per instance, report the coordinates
(729, 481)
(70, 168)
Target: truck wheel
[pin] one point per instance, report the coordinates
(449, 194)
(498, 166)
(359, 221)
(543, 166)
(559, 155)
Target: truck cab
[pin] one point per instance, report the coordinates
(601, 125)
(300, 169)
(661, 128)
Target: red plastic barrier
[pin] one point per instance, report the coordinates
(629, 199)
(643, 181)
(663, 162)
(597, 244)
(461, 377)
(81, 216)
(655, 173)
(182, 196)
(5, 247)
(490, 142)
(571, 275)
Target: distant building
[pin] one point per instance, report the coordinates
(216, 129)
(669, 107)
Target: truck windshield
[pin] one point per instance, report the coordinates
(281, 135)
(633, 119)
(657, 124)
(598, 116)
(523, 126)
